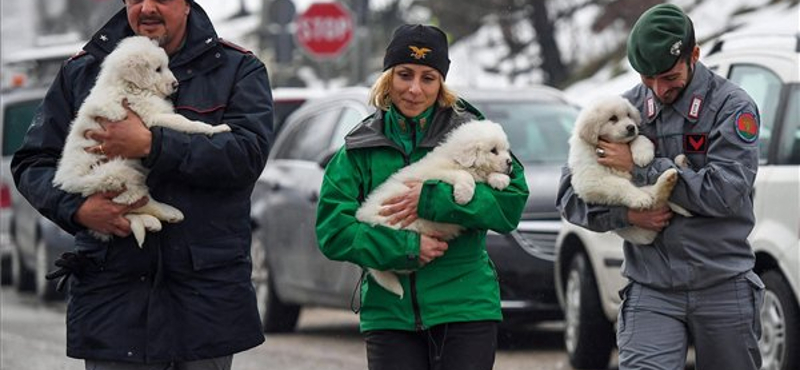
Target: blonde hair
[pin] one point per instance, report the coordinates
(379, 94)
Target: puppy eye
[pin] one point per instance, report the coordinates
(494, 150)
(158, 69)
(614, 118)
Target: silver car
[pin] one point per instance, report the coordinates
(289, 270)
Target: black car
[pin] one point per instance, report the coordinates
(289, 270)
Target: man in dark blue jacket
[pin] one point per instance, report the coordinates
(184, 300)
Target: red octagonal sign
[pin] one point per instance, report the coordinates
(324, 30)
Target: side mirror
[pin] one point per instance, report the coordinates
(326, 157)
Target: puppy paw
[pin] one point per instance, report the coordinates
(642, 157)
(641, 201)
(463, 192)
(668, 177)
(172, 215)
(498, 181)
(664, 185)
(682, 161)
(219, 128)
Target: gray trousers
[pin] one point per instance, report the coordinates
(723, 323)
(219, 363)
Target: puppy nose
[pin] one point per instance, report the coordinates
(631, 129)
(175, 85)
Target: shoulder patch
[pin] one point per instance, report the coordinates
(234, 46)
(747, 126)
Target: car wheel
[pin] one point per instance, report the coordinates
(45, 289)
(780, 323)
(589, 337)
(24, 280)
(276, 316)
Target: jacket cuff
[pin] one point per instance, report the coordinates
(66, 213)
(155, 148)
(426, 198)
(412, 251)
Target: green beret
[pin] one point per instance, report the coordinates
(659, 38)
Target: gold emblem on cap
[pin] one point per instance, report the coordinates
(675, 49)
(418, 53)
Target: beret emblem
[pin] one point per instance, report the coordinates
(675, 49)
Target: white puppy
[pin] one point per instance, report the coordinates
(615, 120)
(476, 151)
(137, 72)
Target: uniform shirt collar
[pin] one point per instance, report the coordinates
(691, 102)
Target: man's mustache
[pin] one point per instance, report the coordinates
(151, 19)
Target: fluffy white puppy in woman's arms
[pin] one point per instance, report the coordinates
(135, 75)
(476, 151)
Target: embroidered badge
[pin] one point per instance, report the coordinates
(419, 53)
(675, 49)
(651, 108)
(747, 126)
(695, 143)
(694, 109)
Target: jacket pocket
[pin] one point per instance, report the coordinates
(217, 253)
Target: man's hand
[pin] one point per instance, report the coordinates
(101, 214)
(652, 219)
(430, 248)
(615, 155)
(128, 138)
(403, 208)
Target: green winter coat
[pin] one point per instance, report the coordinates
(461, 285)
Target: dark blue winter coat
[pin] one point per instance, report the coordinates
(187, 294)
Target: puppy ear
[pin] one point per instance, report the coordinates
(589, 127)
(467, 156)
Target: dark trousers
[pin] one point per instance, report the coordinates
(219, 363)
(452, 346)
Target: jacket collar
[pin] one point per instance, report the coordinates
(691, 102)
(370, 132)
(200, 37)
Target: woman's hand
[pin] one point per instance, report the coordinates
(402, 209)
(430, 248)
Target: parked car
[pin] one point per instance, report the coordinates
(289, 270)
(288, 99)
(588, 264)
(17, 108)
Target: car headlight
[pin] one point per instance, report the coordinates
(538, 238)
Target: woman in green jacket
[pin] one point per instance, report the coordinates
(448, 317)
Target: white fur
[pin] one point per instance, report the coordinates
(596, 183)
(135, 71)
(477, 151)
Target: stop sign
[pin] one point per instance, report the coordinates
(324, 30)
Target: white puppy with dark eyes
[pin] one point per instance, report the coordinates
(615, 120)
(137, 72)
(476, 151)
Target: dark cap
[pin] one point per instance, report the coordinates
(659, 38)
(418, 44)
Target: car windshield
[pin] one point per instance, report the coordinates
(538, 132)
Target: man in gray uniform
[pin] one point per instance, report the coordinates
(694, 283)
